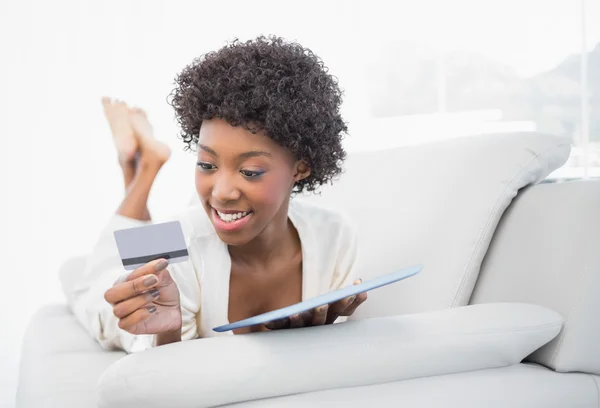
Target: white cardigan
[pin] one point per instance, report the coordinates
(329, 252)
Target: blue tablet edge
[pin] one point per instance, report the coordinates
(326, 298)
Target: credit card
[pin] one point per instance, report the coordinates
(140, 245)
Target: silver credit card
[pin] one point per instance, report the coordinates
(140, 245)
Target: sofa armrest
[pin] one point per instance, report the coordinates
(223, 370)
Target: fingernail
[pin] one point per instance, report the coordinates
(150, 280)
(160, 265)
(152, 309)
(323, 309)
(351, 299)
(154, 293)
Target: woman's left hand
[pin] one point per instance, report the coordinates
(326, 314)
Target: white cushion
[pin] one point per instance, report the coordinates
(60, 363)
(222, 370)
(547, 251)
(515, 386)
(435, 204)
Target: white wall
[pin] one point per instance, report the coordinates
(59, 180)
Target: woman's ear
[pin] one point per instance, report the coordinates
(301, 170)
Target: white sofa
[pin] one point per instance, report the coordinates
(504, 313)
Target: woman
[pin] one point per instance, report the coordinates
(264, 119)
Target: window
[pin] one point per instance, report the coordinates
(463, 67)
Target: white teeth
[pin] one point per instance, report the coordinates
(231, 217)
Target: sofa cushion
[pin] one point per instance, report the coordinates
(215, 371)
(547, 251)
(60, 362)
(516, 386)
(435, 204)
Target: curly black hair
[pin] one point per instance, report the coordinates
(270, 85)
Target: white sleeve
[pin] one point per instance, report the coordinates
(347, 254)
(103, 268)
(185, 277)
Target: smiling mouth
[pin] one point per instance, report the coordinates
(231, 217)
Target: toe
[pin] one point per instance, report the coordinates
(138, 111)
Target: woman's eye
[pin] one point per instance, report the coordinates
(251, 174)
(206, 166)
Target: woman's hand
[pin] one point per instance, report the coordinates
(147, 301)
(326, 314)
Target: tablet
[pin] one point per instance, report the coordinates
(325, 299)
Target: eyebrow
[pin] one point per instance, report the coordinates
(207, 149)
(245, 155)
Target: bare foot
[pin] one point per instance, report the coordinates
(150, 148)
(116, 113)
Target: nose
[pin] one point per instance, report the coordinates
(224, 188)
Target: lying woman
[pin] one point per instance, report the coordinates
(264, 119)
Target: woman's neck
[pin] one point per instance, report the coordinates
(277, 239)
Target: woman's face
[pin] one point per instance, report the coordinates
(244, 180)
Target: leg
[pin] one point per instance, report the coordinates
(140, 155)
(135, 203)
(129, 170)
(151, 156)
(117, 115)
(150, 148)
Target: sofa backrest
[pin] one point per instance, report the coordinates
(435, 204)
(546, 251)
